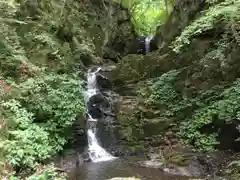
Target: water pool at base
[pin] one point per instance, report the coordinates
(118, 168)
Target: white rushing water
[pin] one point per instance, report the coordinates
(147, 43)
(95, 151)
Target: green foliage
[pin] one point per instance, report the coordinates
(28, 142)
(148, 14)
(36, 35)
(163, 94)
(47, 174)
(47, 106)
(198, 108)
(41, 44)
(131, 129)
(44, 173)
(218, 52)
(225, 110)
(53, 98)
(221, 20)
(222, 17)
(163, 89)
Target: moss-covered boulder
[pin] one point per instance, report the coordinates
(134, 68)
(140, 124)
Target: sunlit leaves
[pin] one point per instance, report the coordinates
(148, 14)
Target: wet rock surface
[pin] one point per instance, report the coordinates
(103, 82)
(71, 159)
(184, 162)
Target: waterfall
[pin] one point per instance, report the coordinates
(147, 44)
(95, 151)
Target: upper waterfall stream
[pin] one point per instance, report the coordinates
(147, 44)
(95, 151)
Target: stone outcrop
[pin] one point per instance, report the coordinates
(183, 13)
(104, 35)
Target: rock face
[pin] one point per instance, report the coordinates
(118, 32)
(105, 33)
(183, 12)
(140, 124)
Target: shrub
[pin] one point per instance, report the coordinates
(166, 96)
(47, 106)
(224, 110)
(44, 173)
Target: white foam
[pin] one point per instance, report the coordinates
(96, 152)
(147, 43)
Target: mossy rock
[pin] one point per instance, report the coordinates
(156, 126)
(131, 130)
(177, 159)
(134, 67)
(138, 122)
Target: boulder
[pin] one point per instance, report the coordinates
(185, 162)
(103, 104)
(103, 82)
(94, 105)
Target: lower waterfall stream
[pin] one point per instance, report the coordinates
(95, 151)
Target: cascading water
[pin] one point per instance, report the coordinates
(95, 151)
(147, 44)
